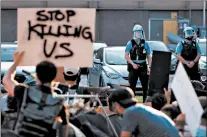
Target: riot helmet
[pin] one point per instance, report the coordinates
(138, 32)
(189, 33)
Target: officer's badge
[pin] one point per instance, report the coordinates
(144, 51)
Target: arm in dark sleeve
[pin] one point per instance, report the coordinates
(64, 114)
(19, 92)
(64, 128)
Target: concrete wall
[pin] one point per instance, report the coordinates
(114, 20)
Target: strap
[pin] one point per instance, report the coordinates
(183, 42)
(42, 101)
(133, 43)
(21, 109)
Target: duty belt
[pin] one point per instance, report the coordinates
(141, 64)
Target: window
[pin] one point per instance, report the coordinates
(115, 59)
(157, 45)
(7, 54)
(99, 54)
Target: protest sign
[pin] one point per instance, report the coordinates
(187, 99)
(61, 35)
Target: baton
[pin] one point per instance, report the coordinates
(74, 96)
(30, 74)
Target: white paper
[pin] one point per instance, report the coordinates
(187, 99)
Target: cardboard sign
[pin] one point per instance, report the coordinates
(187, 99)
(160, 71)
(63, 36)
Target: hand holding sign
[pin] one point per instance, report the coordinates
(18, 56)
(62, 36)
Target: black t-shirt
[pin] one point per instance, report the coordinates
(19, 93)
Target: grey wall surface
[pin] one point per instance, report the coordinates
(8, 25)
(114, 21)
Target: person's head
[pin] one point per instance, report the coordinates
(120, 99)
(158, 101)
(46, 72)
(138, 32)
(171, 110)
(189, 33)
(71, 74)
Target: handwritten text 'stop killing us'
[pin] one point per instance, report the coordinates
(60, 30)
(62, 36)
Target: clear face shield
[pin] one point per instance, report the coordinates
(139, 35)
(189, 34)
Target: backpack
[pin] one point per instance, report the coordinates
(38, 113)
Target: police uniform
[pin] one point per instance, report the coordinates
(138, 54)
(189, 52)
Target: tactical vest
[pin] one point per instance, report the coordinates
(189, 51)
(138, 52)
(37, 113)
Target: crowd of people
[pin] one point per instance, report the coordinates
(36, 111)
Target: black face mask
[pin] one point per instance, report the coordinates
(190, 38)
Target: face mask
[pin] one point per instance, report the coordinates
(190, 38)
(201, 131)
(138, 35)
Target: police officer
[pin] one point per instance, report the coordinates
(188, 52)
(136, 52)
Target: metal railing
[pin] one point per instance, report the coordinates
(91, 96)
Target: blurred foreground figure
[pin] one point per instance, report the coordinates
(39, 114)
(140, 120)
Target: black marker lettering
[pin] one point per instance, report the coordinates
(41, 16)
(87, 32)
(60, 14)
(63, 45)
(67, 31)
(43, 30)
(32, 29)
(53, 34)
(53, 49)
(77, 31)
(69, 14)
(51, 14)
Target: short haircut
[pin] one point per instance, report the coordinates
(46, 71)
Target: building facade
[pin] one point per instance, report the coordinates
(114, 19)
